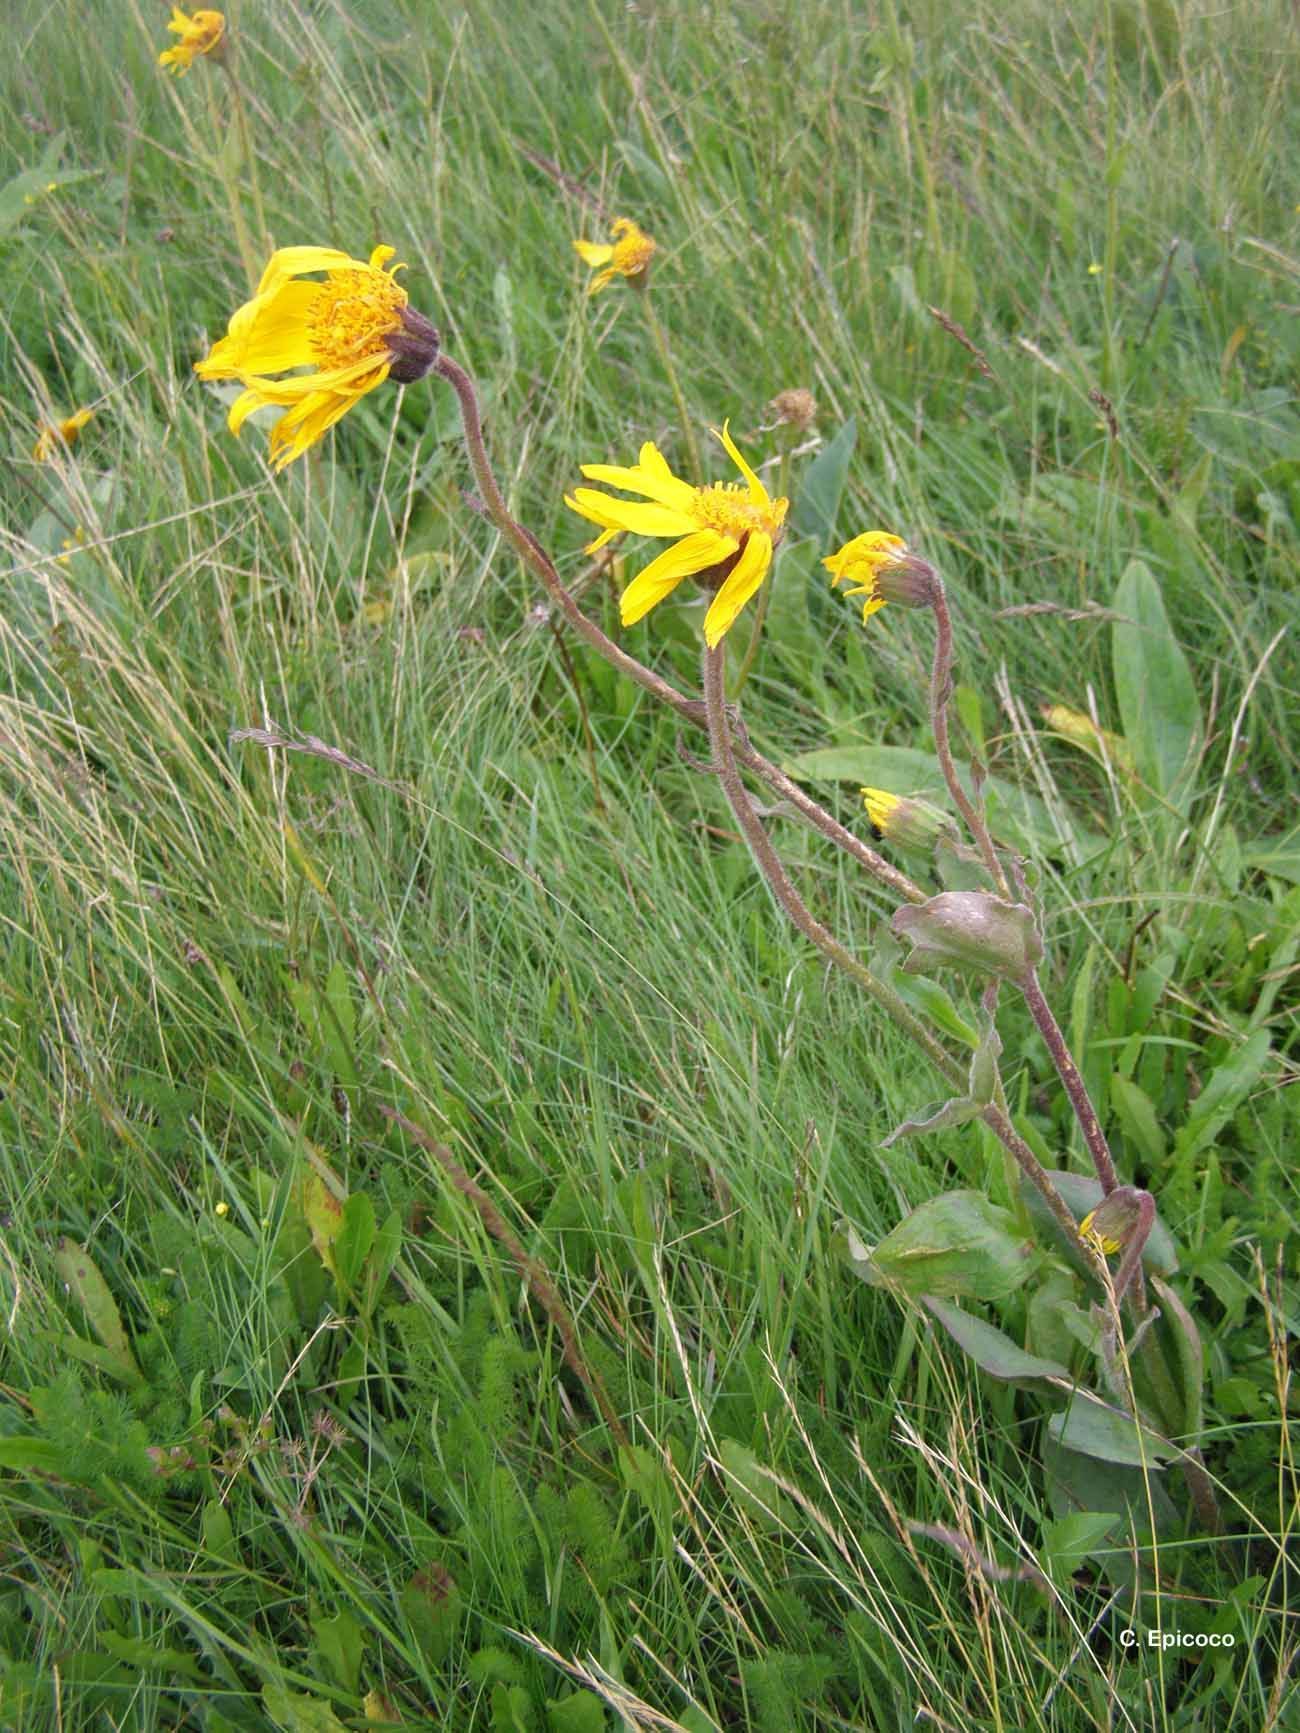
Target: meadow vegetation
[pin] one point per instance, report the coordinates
(312, 814)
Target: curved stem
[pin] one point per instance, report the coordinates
(690, 710)
(1070, 1076)
(884, 995)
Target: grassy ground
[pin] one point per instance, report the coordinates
(287, 1441)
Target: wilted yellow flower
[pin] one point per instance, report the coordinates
(199, 34)
(1080, 730)
(728, 532)
(55, 434)
(882, 568)
(627, 255)
(355, 330)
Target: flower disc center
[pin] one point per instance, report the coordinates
(351, 316)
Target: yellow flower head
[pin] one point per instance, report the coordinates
(1091, 1236)
(354, 330)
(906, 820)
(727, 532)
(55, 434)
(627, 255)
(199, 34)
(859, 564)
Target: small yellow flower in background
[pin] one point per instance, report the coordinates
(627, 255)
(222, 1208)
(72, 544)
(727, 532)
(53, 435)
(199, 34)
(1095, 270)
(355, 330)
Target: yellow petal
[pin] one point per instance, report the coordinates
(295, 261)
(750, 570)
(757, 492)
(662, 486)
(593, 253)
(691, 554)
(274, 336)
(626, 514)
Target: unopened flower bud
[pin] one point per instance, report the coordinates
(413, 347)
(969, 930)
(902, 819)
(795, 408)
(1109, 1226)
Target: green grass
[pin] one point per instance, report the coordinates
(285, 1486)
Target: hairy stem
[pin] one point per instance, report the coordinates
(769, 864)
(1070, 1076)
(690, 710)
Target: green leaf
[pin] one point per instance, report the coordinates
(1178, 1327)
(991, 1350)
(81, 1276)
(339, 1641)
(1135, 1112)
(581, 1712)
(1069, 1540)
(753, 1488)
(955, 1244)
(356, 1235)
(1230, 1083)
(1092, 1428)
(30, 1455)
(1154, 687)
(818, 504)
(980, 1089)
(295, 1712)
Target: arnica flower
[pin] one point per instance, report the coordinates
(354, 330)
(200, 33)
(727, 532)
(905, 820)
(627, 255)
(55, 434)
(880, 567)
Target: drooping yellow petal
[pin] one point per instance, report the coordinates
(267, 335)
(307, 422)
(593, 253)
(627, 514)
(691, 554)
(750, 570)
(757, 492)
